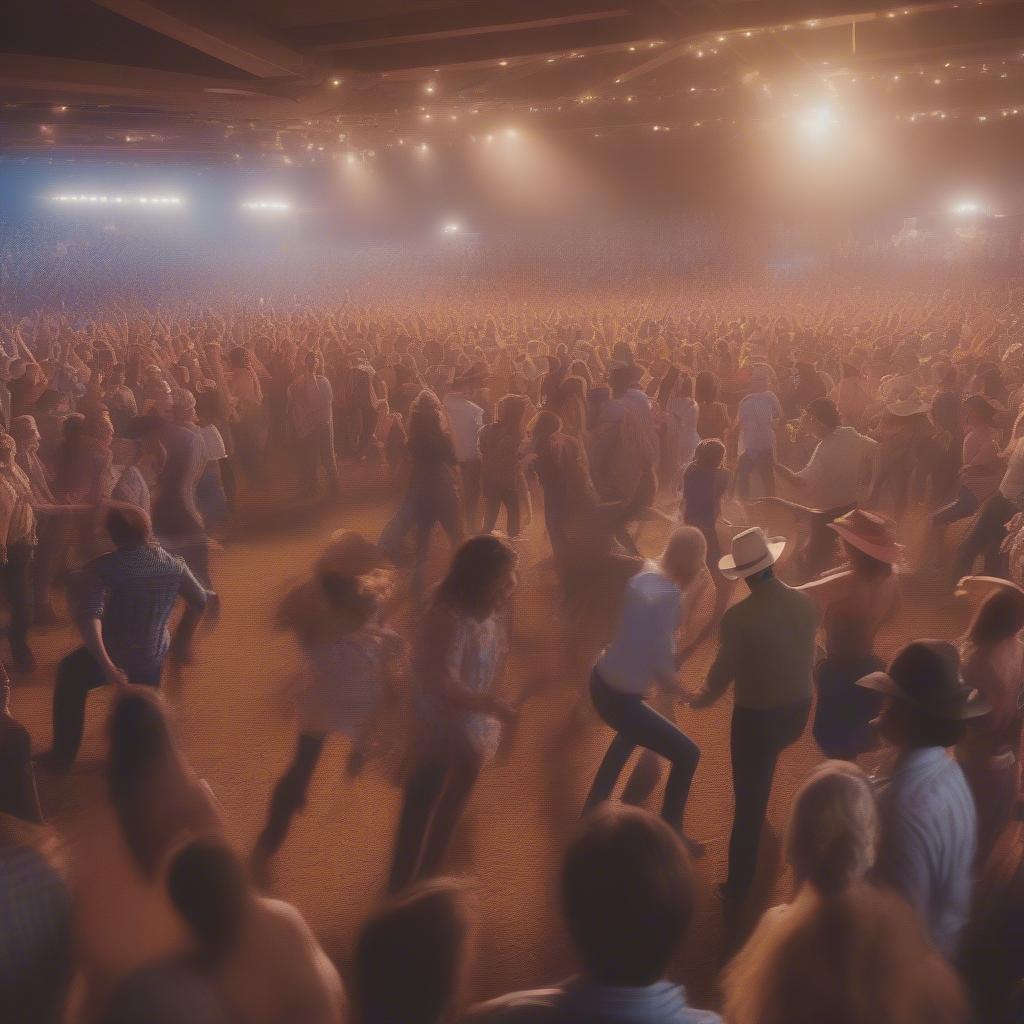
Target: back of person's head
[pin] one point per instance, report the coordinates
(411, 957)
(478, 566)
(833, 828)
(999, 617)
(128, 525)
(825, 412)
(545, 424)
(684, 554)
(709, 453)
(705, 387)
(207, 886)
(627, 895)
(140, 743)
(352, 596)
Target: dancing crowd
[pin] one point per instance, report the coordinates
(651, 440)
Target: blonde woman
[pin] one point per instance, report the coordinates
(843, 951)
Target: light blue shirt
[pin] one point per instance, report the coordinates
(928, 841)
(579, 1000)
(642, 650)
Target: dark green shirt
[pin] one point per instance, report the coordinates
(766, 648)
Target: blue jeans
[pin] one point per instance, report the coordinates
(963, 505)
(745, 466)
(637, 724)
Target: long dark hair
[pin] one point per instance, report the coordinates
(478, 563)
(1000, 616)
(705, 388)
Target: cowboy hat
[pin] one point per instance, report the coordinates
(926, 673)
(869, 533)
(752, 552)
(911, 404)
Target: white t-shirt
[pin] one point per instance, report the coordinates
(465, 418)
(757, 415)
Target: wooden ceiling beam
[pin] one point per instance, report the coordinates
(232, 44)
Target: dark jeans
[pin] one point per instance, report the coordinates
(963, 505)
(469, 471)
(436, 793)
(757, 739)
(985, 537)
(637, 724)
(745, 466)
(316, 450)
(77, 674)
(290, 791)
(494, 498)
(16, 582)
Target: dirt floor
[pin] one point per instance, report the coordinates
(235, 713)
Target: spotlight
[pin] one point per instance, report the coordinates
(121, 200)
(966, 208)
(275, 205)
(335, 82)
(511, 133)
(818, 123)
(429, 88)
(451, 228)
(423, 147)
(350, 159)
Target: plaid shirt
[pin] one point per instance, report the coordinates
(35, 932)
(132, 592)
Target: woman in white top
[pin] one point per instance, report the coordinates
(679, 435)
(457, 664)
(641, 656)
(351, 660)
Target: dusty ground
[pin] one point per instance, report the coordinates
(235, 717)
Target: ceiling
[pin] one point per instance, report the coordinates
(301, 80)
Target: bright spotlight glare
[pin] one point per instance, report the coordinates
(278, 205)
(818, 123)
(966, 207)
(511, 133)
(451, 228)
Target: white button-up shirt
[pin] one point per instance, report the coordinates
(928, 841)
(836, 467)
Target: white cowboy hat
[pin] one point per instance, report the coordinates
(752, 552)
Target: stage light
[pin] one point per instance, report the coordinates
(335, 82)
(511, 133)
(503, 63)
(451, 228)
(423, 147)
(122, 200)
(350, 159)
(274, 205)
(966, 208)
(429, 88)
(818, 123)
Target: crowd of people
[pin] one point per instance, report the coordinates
(650, 440)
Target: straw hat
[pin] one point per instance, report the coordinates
(926, 673)
(752, 552)
(869, 533)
